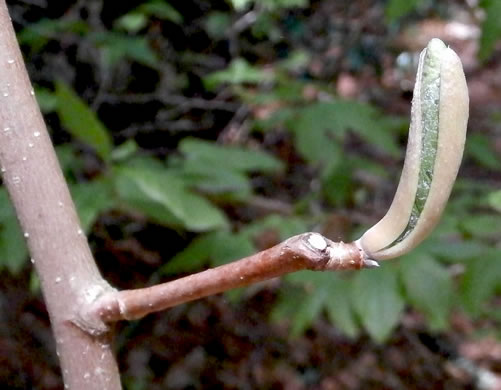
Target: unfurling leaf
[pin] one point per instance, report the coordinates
(434, 151)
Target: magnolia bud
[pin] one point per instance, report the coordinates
(435, 147)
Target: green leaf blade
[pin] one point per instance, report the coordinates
(429, 287)
(377, 301)
(81, 122)
(163, 197)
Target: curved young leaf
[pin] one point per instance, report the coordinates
(434, 151)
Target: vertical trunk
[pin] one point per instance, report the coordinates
(45, 210)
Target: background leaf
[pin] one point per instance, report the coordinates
(163, 197)
(323, 292)
(91, 199)
(320, 127)
(116, 46)
(429, 287)
(238, 159)
(480, 281)
(78, 119)
(13, 251)
(491, 29)
(377, 301)
(395, 9)
(238, 72)
(479, 147)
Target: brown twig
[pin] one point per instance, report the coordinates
(309, 251)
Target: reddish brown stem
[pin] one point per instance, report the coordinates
(306, 251)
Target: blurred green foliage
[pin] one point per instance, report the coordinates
(491, 29)
(195, 186)
(396, 9)
(139, 17)
(240, 5)
(81, 121)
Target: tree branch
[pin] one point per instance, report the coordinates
(62, 258)
(306, 251)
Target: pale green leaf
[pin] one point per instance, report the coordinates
(37, 35)
(322, 291)
(91, 199)
(161, 9)
(216, 178)
(163, 197)
(313, 136)
(320, 128)
(235, 158)
(395, 9)
(285, 226)
(480, 281)
(217, 24)
(13, 251)
(46, 100)
(195, 255)
(480, 149)
(339, 308)
(428, 285)
(118, 46)
(307, 310)
(482, 225)
(285, 308)
(456, 251)
(238, 72)
(239, 5)
(124, 151)
(377, 301)
(491, 28)
(216, 248)
(34, 284)
(231, 248)
(79, 120)
(132, 21)
(301, 308)
(137, 19)
(494, 200)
